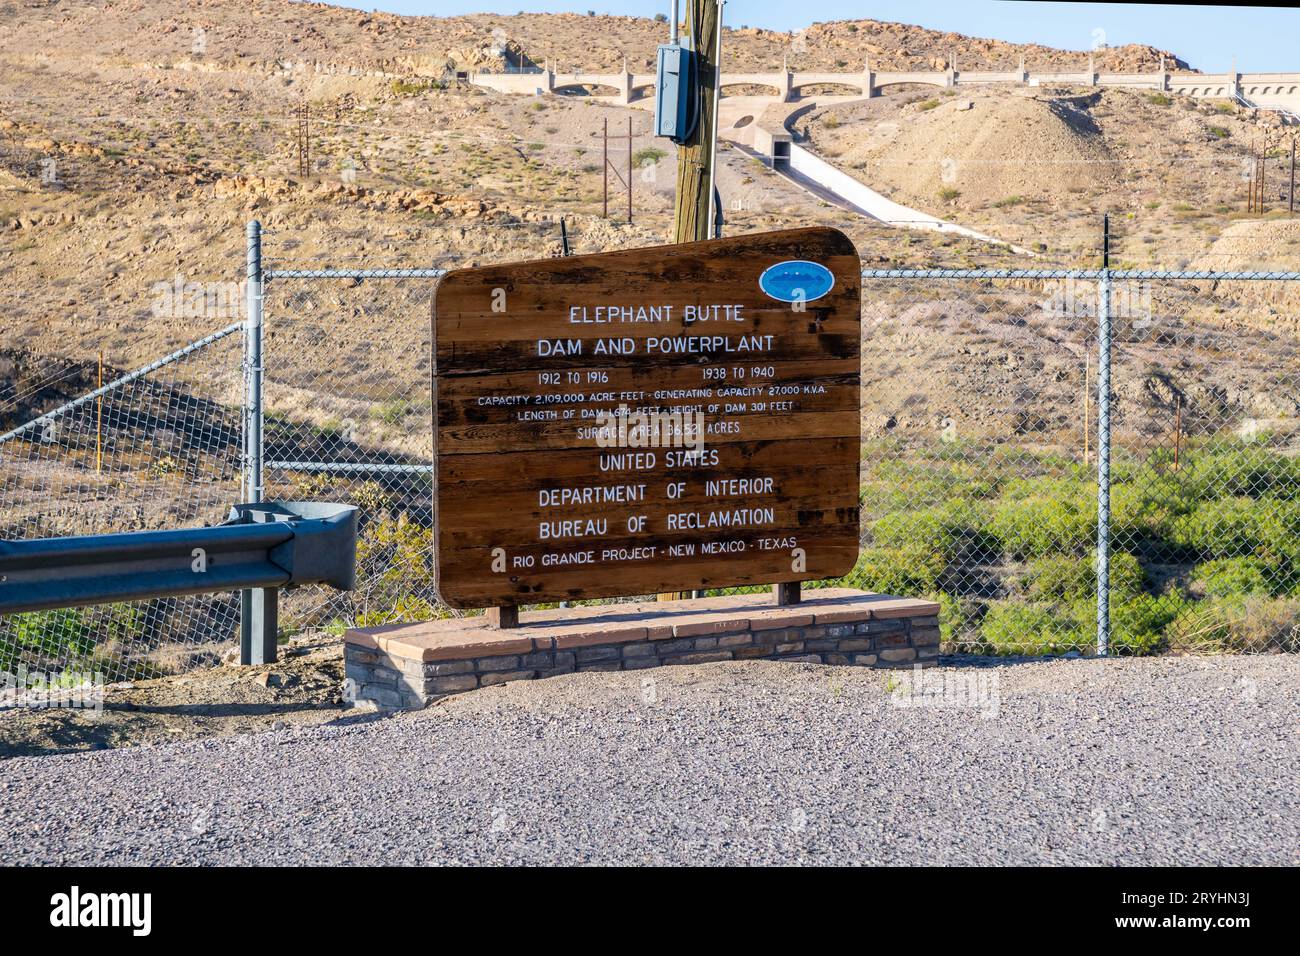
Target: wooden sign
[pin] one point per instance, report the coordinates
(648, 420)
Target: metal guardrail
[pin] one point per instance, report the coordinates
(262, 547)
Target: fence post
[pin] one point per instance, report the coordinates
(1103, 449)
(258, 608)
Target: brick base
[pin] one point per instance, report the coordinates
(410, 665)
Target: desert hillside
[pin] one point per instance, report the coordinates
(1039, 167)
(137, 139)
(251, 35)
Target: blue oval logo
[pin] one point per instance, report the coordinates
(796, 280)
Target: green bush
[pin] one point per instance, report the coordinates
(1146, 506)
(1240, 470)
(395, 570)
(1232, 505)
(407, 608)
(647, 157)
(954, 616)
(1137, 624)
(1044, 517)
(1060, 578)
(1233, 577)
(1010, 627)
(903, 571)
(57, 633)
(403, 87)
(1231, 527)
(934, 528)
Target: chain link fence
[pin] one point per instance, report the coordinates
(982, 415)
(980, 461)
(154, 448)
(348, 418)
(980, 475)
(1206, 481)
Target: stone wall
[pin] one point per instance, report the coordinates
(409, 666)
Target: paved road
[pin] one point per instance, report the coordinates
(1138, 761)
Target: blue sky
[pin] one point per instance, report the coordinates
(1262, 38)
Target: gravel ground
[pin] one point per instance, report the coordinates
(303, 687)
(1173, 760)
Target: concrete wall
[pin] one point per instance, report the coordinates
(522, 83)
(840, 183)
(1268, 90)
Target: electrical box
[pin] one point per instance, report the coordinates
(675, 92)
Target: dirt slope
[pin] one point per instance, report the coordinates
(978, 147)
(1040, 167)
(251, 34)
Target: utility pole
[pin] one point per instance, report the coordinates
(1250, 186)
(1255, 201)
(693, 219)
(1263, 172)
(1290, 196)
(304, 138)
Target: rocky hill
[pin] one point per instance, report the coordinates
(137, 138)
(255, 35)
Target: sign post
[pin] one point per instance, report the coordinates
(666, 419)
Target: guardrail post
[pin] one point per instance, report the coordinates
(1103, 451)
(258, 608)
(259, 624)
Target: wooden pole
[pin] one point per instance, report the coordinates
(604, 172)
(1291, 192)
(502, 617)
(695, 157)
(1254, 179)
(629, 169)
(1264, 171)
(1250, 187)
